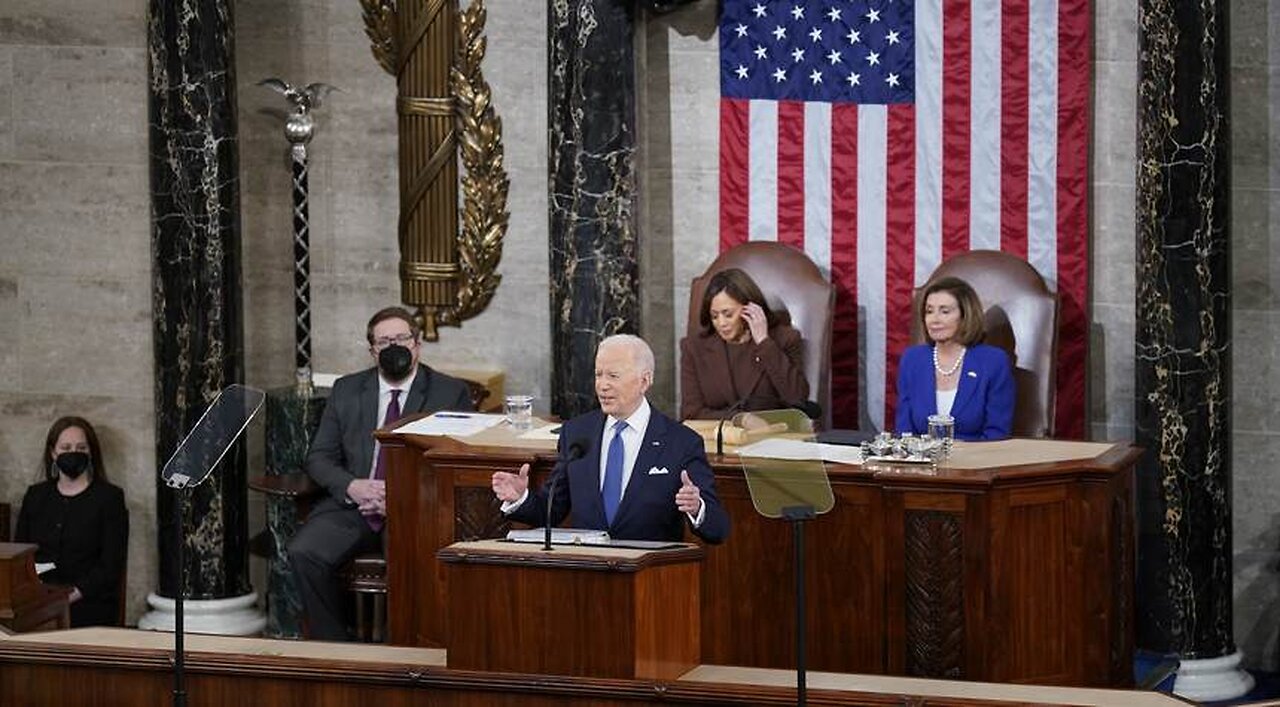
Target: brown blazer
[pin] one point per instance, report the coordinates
(714, 374)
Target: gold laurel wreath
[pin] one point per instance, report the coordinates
(484, 183)
(380, 28)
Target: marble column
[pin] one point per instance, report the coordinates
(292, 417)
(591, 119)
(196, 301)
(1183, 345)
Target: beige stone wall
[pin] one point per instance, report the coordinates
(74, 243)
(1255, 326)
(354, 192)
(75, 264)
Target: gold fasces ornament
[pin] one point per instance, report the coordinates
(448, 271)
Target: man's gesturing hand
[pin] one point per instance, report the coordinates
(510, 487)
(688, 498)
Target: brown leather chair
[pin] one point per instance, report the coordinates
(1021, 316)
(794, 286)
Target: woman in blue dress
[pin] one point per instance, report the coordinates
(955, 373)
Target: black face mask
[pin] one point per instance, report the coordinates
(395, 362)
(73, 464)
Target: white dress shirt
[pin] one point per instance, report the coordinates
(384, 401)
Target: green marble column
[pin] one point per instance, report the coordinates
(293, 414)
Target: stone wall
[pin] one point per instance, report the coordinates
(75, 266)
(1255, 280)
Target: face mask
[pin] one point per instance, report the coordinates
(395, 362)
(73, 464)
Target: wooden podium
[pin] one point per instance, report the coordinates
(583, 611)
(1011, 563)
(26, 604)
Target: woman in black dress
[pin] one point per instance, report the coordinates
(79, 521)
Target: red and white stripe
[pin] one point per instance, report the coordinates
(993, 154)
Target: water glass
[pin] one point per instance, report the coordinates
(943, 429)
(519, 409)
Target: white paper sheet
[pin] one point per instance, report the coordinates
(779, 448)
(453, 424)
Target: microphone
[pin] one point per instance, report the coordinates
(720, 427)
(742, 402)
(577, 448)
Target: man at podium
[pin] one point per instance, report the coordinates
(625, 468)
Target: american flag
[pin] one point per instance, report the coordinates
(884, 136)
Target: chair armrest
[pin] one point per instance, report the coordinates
(295, 484)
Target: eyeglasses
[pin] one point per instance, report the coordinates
(398, 340)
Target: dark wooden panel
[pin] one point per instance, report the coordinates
(748, 606)
(935, 597)
(582, 612)
(1037, 626)
(111, 675)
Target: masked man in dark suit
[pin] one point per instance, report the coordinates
(641, 475)
(346, 460)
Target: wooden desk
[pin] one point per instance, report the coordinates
(590, 612)
(1013, 572)
(26, 604)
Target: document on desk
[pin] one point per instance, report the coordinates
(779, 448)
(560, 536)
(453, 424)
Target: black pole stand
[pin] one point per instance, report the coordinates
(179, 689)
(551, 494)
(798, 515)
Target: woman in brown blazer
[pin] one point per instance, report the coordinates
(742, 355)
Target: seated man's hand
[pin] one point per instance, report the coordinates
(689, 497)
(510, 487)
(369, 495)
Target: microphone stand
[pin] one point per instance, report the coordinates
(551, 494)
(720, 427)
(179, 658)
(576, 449)
(742, 403)
(798, 515)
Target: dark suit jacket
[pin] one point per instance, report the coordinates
(984, 399)
(715, 375)
(342, 448)
(648, 510)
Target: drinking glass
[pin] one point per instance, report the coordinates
(943, 429)
(519, 409)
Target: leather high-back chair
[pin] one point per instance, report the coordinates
(1020, 316)
(794, 288)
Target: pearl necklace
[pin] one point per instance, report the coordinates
(955, 366)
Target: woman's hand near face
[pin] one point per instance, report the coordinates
(757, 324)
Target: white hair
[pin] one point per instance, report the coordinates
(641, 354)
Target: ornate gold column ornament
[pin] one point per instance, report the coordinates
(449, 274)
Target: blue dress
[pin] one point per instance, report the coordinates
(983, 408)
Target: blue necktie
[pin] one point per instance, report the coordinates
(611, 491)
